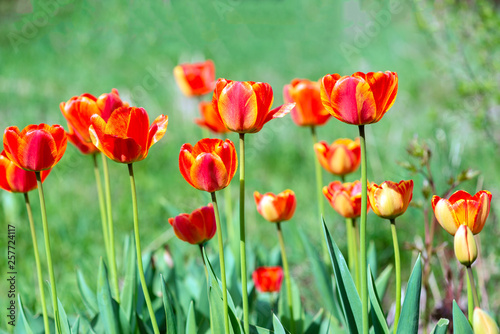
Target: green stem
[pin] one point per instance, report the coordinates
(243, 256)
(107, 187)
(355, 241)
(48, 253)
(472, 287)
(362, 246)
(397, 260)
(349, 228)
(208, 283)
(222, 263)
(102, 206)
(138, 249)
(38, 265)
(470, 300)
(287, 277)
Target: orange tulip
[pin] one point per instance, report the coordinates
(276, 208)
(308, 110)
(342, 157)
(15, 179)
(126, 136)
(195, 79)
(245, 106)
(75, 139)
(462, 209)
(360, 98)
(345, 198)
(210, 119)
(210, 165)
(390, 199)
(268, 279)
(37, 147)
(197, 227)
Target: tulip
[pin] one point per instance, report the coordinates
(276, 208)
(462, 209)
(390, 199)
(361, 98)
(126, 136)
(342, 157)
(36, 148)
(197, 227)
(195, 79)
(483, 323)
(209, 118)
(345, 198)
(245, 106)
(308, 110)
(210, 165)
(15, 179)
(465, 246)
(83, 146)
(268, 279)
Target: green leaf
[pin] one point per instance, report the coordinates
(23, 325)
(441, 326)
(75, 329)
(315, 324)
(277, 326)
(107, 313)
(382, 281)
(191, 321)
(128, 296)
(168, 306)
(460, 323)
(65, 329)
(349, 298)
(88, 296)
(371, 258)
(377, 314)
(410, 312)
(284, 310)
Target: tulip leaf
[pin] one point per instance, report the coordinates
(88, 296)
(191, 321)
(377, 314)
(284, 310)
(441, 326)
(349, 298)
(169, 310)
(460, 323)
(382, 281)
(371, 258)
(315, 324)
(128, 294)
(411, 306)
(23, 325)
(75, 329)
(65, 328)
(277, 326)
(259, 330)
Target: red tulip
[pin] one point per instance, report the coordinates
(342, 157)
(37, 147)
(345, 198)
(197, 227)
(308, 110)
(195, 79)
(360, 98)
(276, 208)
(210, 165)
(268, 279)
(210, 119)
(126, 136)
(15, 179)
(75, 139)
(245, 107)
(390, 199)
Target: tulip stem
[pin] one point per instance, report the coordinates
(107, 187)
(222, 263)
(38, 265)
(355, 246)
(243, 256)
(203, 259)
(48, 253)
(287, 276)
(351, 244)
(362, 246)
(471, 289)
(138, 249)
(102, 206)
(397, 260)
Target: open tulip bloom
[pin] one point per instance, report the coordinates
(197, 227)
(195, 79)
(340, 158)
(268, 279)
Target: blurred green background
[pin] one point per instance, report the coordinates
(446, 54)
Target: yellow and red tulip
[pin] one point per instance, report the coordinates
(210, 165)
(345, 198)
(195, 79)
(308, 110)
(77, 140)
(245, 106)
(209, 118)
(268, 279)
(342, 157)
(276, 208)
(390, 200)
(361, 98)
(126, 136)
(465, 246)
(197, 227)
(462, 209)
(15, 179)
(37, 147)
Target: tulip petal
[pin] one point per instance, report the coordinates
(157, 129)
(137, 127)
(186, 161)
(238, 106)
(445, 215)
(384, 86)
(209, 173)
(78, 111)
(353, 101)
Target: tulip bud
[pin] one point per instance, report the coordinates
(483, 323)
(465, 246)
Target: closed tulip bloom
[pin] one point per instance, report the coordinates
(245, 106)
(340, 158)
(15, 179)
(209, 165)
(268, 279)
(126, 136)
(195, 79)
(209, 118)
(361, 98)
(483, 323)
(390, 199)
(276, 208)
(345, 198)
(462, 209)
(308, 110)
(465, 246)
(37, 147)
(197, 227)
